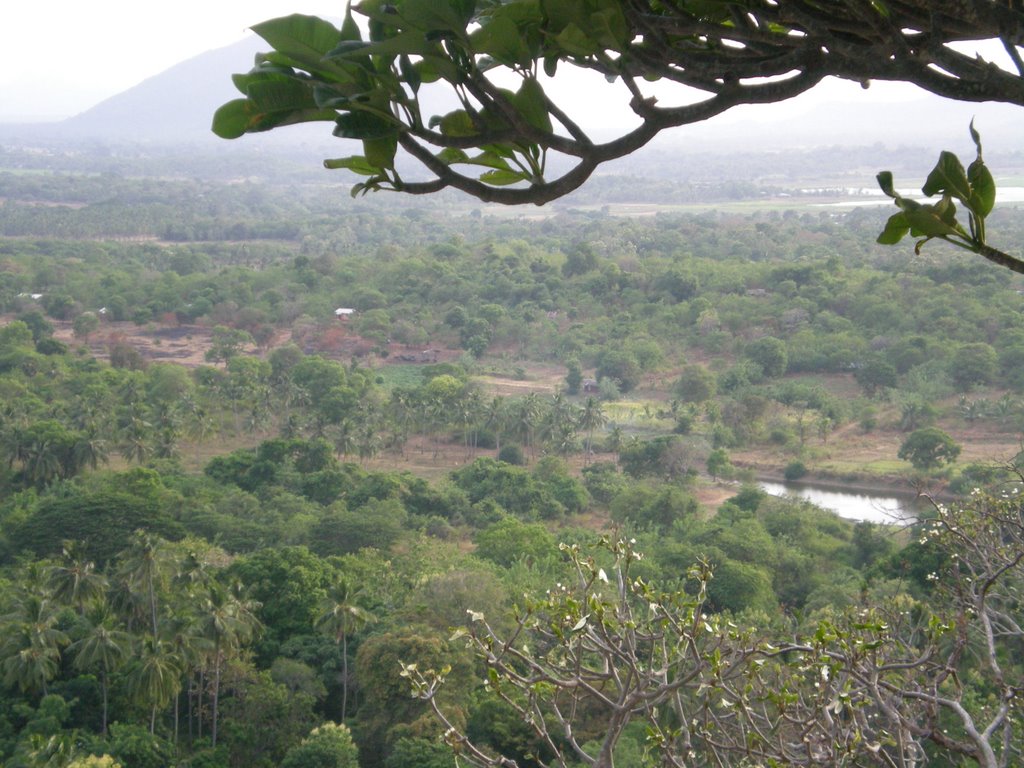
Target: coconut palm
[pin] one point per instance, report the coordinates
(74, 580)
(104, 648)
(225, 621)
(340, 616)
(154, 677)
(142, 570)
(30, 643)
(591, 417)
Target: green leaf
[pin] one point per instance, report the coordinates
(886, 183)
(430, 15)
(896, 228)
(304, 39)
(983, 189)
(532, 104)
(575, 41)
(356, 164)
(362, 125)
(925, 220)
(975, 137)
(232, 119)
(490, 160)
(281, 96)
(500, 38)
(502, 178)
(274, 105)
(452, 155)
(380, 151)
(349, 28)
(410, 74)
(457, 124)
(409, 42)
(948, 177)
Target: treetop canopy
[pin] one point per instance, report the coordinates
(371, 80)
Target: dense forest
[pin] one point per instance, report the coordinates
(239, 527)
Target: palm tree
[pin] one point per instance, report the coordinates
(226, 621)
(142, 567)
(495, 416)
(135, 446)
(74, 580)
(524, 418)
(102, 647)
(340, 616)
(591, 417)
(30, 643)
(90, 450)
(155, 675)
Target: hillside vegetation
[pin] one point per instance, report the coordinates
(229, 514)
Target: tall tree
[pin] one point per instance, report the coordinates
(226, 621)
(340, 616)
(74, 579)
(103, 647)
(154, 677)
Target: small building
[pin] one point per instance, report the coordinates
(344, 313)
(590, 386)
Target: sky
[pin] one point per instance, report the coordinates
(62, 57)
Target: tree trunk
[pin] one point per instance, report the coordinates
(216, 693)
(344, 676)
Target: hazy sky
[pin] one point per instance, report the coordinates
(63, 56)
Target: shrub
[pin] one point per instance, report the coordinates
(794, 471)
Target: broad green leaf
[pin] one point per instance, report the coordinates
(886, 183)
(452, 155)
(490, 160)
(362, 125)
(280, 95)
(356, 164)
(501, 150)
(949, 177)
(561, 13)
(380, 151)
(609, 26)
(241, 116)
(983, 188)
(574, 40)
(430, 15)
(500, 39)
(532, 104)
(305, 39)
(502, 178)
(896, 228)
(409, 42)
(925, 221)
(231, 120)
(456, 124)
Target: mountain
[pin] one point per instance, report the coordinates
(177, 105)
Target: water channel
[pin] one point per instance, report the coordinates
(850, 504)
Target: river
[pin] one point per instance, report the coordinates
(849, 504)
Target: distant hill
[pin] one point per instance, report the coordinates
(175, 106)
